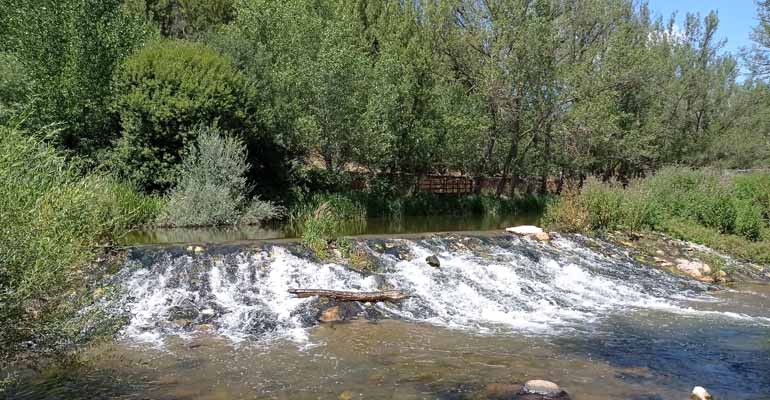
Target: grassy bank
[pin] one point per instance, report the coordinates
(725, 212)
(54, 220)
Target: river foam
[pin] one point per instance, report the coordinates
(484, 285)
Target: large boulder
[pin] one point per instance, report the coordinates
(433, 261)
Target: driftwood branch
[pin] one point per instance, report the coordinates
(387, 295)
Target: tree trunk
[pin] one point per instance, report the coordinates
(545, 172)
(515, 126)
(388, 295)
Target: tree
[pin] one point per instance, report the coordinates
(165, 90)
(758, 56)
(184, 19)
(69, 50)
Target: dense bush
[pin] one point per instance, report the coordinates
(567, 213)
(69, 50)
(52, 220)
(14, 85)
(674, 200)
(324, 217)
(164, 91)
(183, 18)
(211, 188)
(755, 188)
(748, 219)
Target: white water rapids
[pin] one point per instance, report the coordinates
(497, 284)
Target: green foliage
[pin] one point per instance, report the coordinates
(211, 188)
(14, 85)
(184, 18)
(749, 221)
(69, 50)
(164, 91)
(324, 217)
(735, 245)
(694, 205)
(52, 220)
(567, 213)
(755, 188)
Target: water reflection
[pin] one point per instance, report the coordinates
(623, 359)
(374, 226)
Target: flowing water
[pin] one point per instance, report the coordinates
(219, 324)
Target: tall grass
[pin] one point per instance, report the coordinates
(687, 203)
(53, 219)
(325, 217)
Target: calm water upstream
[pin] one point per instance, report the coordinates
(374, 226)
(499, 310)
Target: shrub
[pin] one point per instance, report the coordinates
(714, 207)
(728, 214)
(567, 214)
(52, 220)
(14, 85)
(325, 217)
(748, 219)
(211, 187)
(640, 211)
(69, 50)
(604, 205)
(165, 90)
(754, 187)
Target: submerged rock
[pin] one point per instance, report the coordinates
(699, 393)
(501, 391)
(433, 261)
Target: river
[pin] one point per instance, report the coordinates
(218, 323)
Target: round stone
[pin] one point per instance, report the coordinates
(538, 386)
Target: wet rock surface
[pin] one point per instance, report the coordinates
(433, 261)
(685, 258)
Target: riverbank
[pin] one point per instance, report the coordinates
(729, 213)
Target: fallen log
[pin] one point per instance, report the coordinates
(341, 295)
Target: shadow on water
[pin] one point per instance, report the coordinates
(728, 356)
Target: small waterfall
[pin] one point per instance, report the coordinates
(484, 284)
